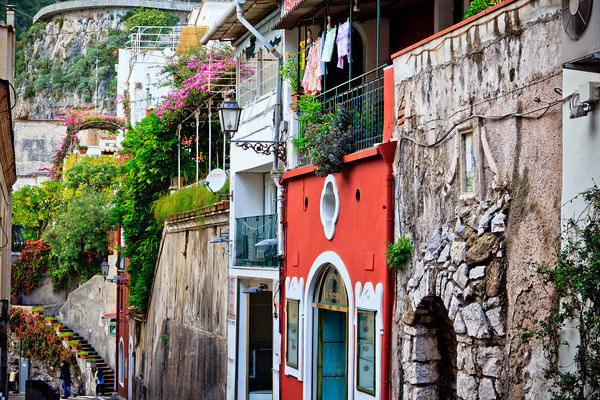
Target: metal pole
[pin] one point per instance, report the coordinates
(350, 50)
(197, 161)
(179, 156)
(378, 33)
(209, 133)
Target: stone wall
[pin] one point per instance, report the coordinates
(183, 342)
(82, 312)
(471, 283)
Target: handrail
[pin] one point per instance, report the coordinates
(378, 69)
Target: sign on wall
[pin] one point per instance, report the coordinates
(231, 296)
(288, 5)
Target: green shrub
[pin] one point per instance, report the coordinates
(478, 6)
(37, 309)
(182, 201)
(82, 353)
(74, 343)
(148, 17)
(397, 254)
(65, 334)
(29, 92)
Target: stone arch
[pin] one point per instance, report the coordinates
(432, 366)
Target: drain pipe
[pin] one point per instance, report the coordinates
(276, 174)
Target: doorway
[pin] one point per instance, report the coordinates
(330, 367)
(260, 346)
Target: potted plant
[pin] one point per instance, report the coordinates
(82, 149)
(66, 336)
(38, 311)
(289, 73)
(58, 327)
(82, 354)
(75, 345)
(48, 320)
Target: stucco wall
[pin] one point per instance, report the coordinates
(82, 312)
(183, 341)
(34, 145)
(505, 62)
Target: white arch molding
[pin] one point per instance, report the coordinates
(121, 362)
(324, 259)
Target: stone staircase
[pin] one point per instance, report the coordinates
(109, 374)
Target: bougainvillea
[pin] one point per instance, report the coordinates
(194, 75)
(38, 340)
(75, 122)
(27, 272)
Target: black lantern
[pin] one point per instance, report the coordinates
(229, 115)
(104, 268)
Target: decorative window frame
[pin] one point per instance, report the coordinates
(369, 298)
(482, 154)
(329, 223)
(294, 290)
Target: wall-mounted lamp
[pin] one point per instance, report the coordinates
(229, 115)
(261, 288)
(104, 268)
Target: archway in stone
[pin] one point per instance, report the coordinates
(435, 344)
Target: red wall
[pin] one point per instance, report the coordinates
(359, 240)
(122, 327)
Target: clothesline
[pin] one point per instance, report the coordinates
(321, 52)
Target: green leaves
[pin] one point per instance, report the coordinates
(397, 254)
(149, 17)
(478, 6)
(34, 206)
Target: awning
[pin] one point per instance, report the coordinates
(266, 29)
(190, 37)
(109, 315)
(230, 29)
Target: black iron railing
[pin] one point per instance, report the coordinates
(363, 97)
(250, 231)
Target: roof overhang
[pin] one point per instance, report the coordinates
(7, 148)
(230, 29)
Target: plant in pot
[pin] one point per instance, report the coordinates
(38, 311)
(82, 149)
(48, 320)
(289, 73)
(82, 354)
(58, 327)
(66, 336)
(75, 345)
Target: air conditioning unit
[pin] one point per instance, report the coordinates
(581, 34)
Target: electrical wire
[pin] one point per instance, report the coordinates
(526, 115)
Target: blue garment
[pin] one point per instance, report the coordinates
(66, 387)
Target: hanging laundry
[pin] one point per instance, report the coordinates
(328, 45)
(321, 64)
(343, 43)
(311, 83)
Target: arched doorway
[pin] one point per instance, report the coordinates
(330, 336)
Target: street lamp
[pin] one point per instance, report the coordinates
(229, 115)
(104, 268)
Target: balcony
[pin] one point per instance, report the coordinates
(250, 231)
(363, 95)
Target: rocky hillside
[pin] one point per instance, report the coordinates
(60, 63)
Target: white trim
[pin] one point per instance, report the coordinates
(130, 369)
(121, 362)
(329, 223)
(325, 258)
(371, 299)
(294, 288)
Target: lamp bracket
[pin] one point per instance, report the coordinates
(266, 147)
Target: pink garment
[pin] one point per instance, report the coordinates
(311, 82)
(343, 43)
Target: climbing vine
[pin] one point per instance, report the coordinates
(27, 272)
(575, 278)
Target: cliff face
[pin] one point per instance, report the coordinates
(61, 62)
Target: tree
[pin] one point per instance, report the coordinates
(34, 206)
(98, 173)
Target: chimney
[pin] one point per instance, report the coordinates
(10, 15)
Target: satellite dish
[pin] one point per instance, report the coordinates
(215, 180)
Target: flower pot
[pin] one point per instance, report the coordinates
(295, 101)
(67, 338)
(76, 347)
(38, 313)
(83, 357)
(49, 322)
(82, 151)
(59, 328)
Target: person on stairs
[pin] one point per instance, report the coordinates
(99, 381)
(65, 377)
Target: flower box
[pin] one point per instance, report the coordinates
(82, 151)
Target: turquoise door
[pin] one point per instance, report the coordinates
(331, 354)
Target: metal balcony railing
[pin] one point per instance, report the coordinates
(363, 97)
(250, 231)
(153, 38)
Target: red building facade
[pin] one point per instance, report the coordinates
(122, 335)
(338, 289)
